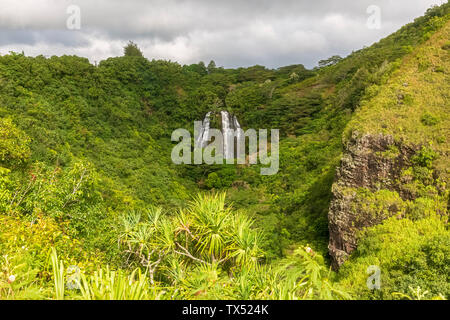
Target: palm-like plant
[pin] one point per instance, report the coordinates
(251, 283)
(206, 281)
(245, 242)
(117, 285)
(308, 278)
(147, 241)
(210, 223)
(205, 233)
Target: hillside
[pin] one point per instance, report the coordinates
(395, 166)
(86, 177)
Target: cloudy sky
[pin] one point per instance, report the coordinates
(233, 33)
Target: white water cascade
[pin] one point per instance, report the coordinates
(228, 135)
(237, 128)
(230, 124)
(203, 136)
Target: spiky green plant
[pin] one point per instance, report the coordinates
(417, 294)
(117, 285)
(58, 275)
(210, 220)
(244, 247)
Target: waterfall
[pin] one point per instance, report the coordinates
(240, 149)
(228, 135)
(237, 126)
(203, 135)
(229, 125)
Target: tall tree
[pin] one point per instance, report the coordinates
(211, 66)
(132, 50)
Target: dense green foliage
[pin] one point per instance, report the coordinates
(132, 50)
(411, 254)
(86, 177)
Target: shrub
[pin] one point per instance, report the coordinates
(408, 253)
(14, 144)
(429, 120)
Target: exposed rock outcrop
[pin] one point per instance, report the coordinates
(372, 162)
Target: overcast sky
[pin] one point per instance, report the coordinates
(232, 33)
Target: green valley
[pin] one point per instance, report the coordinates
(92, 206)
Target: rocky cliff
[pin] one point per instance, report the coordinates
(396, 149)
(371, 163)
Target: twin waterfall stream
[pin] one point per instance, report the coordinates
(229, 126)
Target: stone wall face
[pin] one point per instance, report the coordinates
(363, 166)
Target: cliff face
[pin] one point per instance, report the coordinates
(370, 163)
(396, 149)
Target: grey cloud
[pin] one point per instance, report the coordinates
(32, 37)
(233, 33)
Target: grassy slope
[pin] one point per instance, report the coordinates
(414, 104)
(413, 253)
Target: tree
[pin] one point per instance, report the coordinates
(293, 77)
(132, 50)
(202, 68)
(199, 68)
(14, 144)
(211, 66)
(330, 61)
